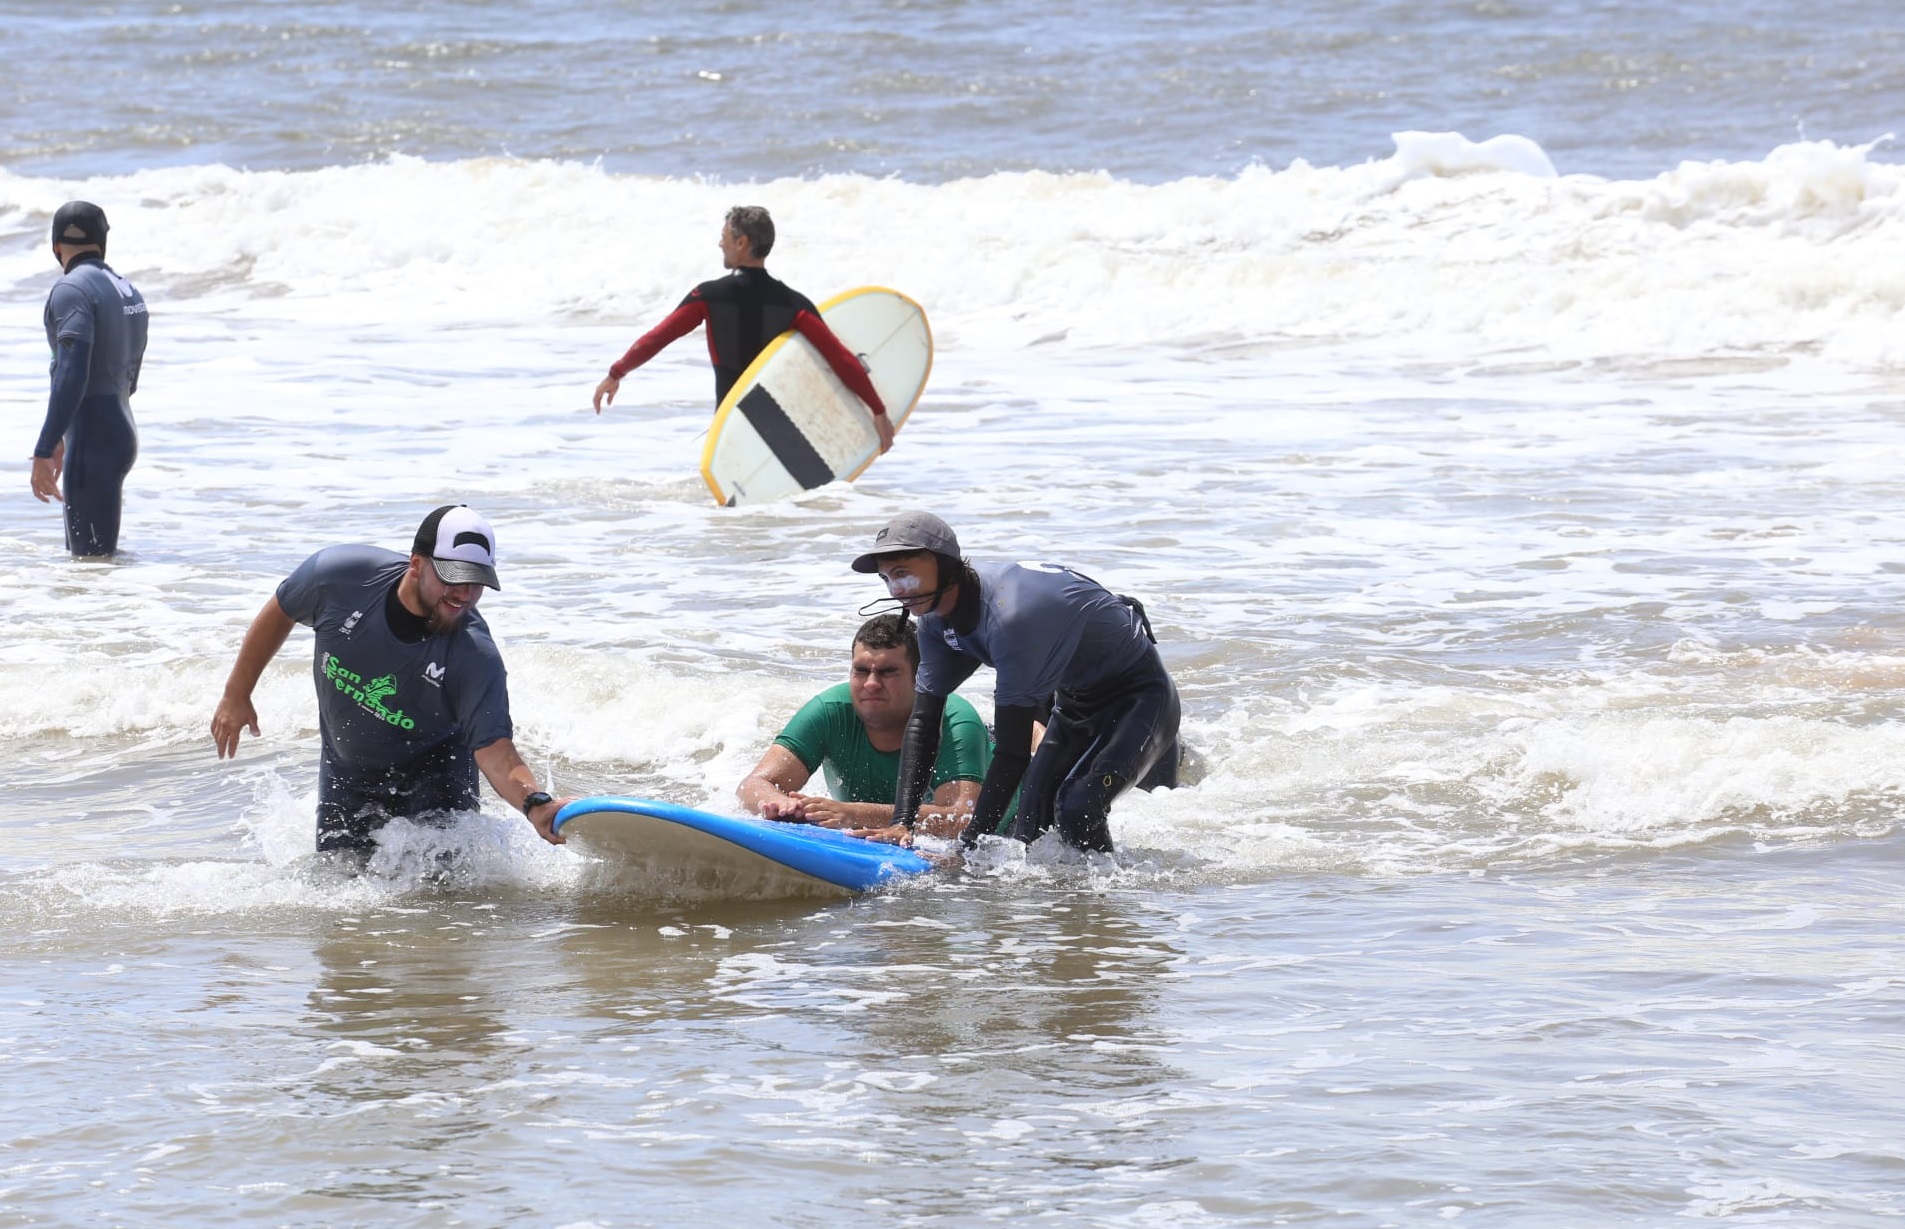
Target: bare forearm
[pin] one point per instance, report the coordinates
(864, 814)
(266, 635)
(514, 783)
(770, 789)
(502, 766)
(756, 791)
(948, 810)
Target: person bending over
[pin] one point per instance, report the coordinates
(1043, 628)
(413, 700)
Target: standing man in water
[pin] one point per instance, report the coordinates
(743, 312)
(412, 697)
(1043, 629)
(96, 326)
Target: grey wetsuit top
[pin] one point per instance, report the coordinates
(1042, 627)
(383, 702)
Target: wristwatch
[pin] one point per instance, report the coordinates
(534, 800)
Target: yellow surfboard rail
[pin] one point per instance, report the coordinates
(747, 378)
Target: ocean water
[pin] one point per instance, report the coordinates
(1498, 408)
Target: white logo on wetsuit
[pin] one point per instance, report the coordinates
(351, 623)
(433, 674)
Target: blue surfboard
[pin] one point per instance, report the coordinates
(756, 859)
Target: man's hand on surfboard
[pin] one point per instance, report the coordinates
(894, 834)
(546, 826)
(884, 425)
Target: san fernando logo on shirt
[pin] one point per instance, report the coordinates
(369, 696)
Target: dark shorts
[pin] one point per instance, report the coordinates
(354, 804)
(1097, 745)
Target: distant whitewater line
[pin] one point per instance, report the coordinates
(1447, 243)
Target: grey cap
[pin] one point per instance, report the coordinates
(906, 533)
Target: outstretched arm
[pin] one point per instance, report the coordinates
(769, 791)
(506, 773)
(263, 639)
(679, 323)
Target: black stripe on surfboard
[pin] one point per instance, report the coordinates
(784, 439)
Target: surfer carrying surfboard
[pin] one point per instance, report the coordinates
(1043, 628)
(743, 311)
(412, 698)
(853, 731)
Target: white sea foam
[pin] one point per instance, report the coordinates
(1471, 244)
(1485, 515)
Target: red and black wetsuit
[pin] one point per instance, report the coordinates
(744, 311)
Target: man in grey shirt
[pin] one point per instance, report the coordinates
(96, 327)
(1044, 629)
(412, 695)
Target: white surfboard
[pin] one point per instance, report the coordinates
(789, 425)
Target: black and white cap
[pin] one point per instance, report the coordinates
(460, 544)
(906, 533)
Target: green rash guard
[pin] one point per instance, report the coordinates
(826, 733)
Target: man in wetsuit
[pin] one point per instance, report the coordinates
(96, 326)
(1043, 628)
(853, 730)
(744, 311)
(412, 697)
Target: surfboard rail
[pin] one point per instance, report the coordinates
(831, 859)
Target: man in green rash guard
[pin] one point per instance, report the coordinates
(853, 731)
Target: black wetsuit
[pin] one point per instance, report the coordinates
(401, 711)
(1046, 629)
(744, 311)
(96, 326)
(1099, 742)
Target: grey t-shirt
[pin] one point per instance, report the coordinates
(382, 702)
(95, 305)
(1042, 627)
